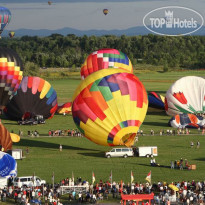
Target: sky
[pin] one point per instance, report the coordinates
(87, 14)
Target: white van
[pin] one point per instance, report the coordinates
(28, 181)
(120, 152)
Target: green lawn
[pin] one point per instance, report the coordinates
(82, 156)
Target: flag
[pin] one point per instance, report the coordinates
(110, 178)
(132, 177)
(93, 178)
(72, 177)
(148, 178)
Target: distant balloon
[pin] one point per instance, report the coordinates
(5, 139)
(65, 108)
(105, 11)
(156, 100)
(49, 2)
(109, 106)
(186, 95)
(11, 34)
(5, 17)
(105, 59)
(11, 74)
(8, 165)
(187, 121)
(35, 96)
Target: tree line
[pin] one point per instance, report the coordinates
(70, 51)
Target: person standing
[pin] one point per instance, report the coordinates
(172, 164)
(192, 144)
(61, 148)
(197, 144)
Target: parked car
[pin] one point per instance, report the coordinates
(28, 181)
(120, 152)
(38, 119)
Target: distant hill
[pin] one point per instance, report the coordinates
(140, 30)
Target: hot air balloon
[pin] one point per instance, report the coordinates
(8, 165)
(103, 59)
(156, 100)
(5, 17)
(11, 34)
(65, 108)
(186, 95)
(109, 106)
(105, 11)
(10, 74)
(187, 121)
(49, 2)
(5, 139)
(35, 96)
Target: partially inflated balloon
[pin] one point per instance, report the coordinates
(186, 95)
(103, 59)
(5, 17)
(156, 100)
(65, 108)
(109, 106)
(11, 71)
(8, 165)
(187, 121)
(35, 96)
(5, 139)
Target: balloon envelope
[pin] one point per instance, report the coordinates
(109, 106)
(11, 34)
(105, 11)
(104, 59)
(187, 121)
(5, 139)
(65, 108)
(156, 100)
(35, 96)
(15, 137)
(8, 165)
(5, 17)
(186, 95)
(11, 72)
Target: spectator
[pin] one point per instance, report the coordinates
(61, 148)
(197, 144)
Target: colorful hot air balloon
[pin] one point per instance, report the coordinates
(186, 95)
(103, 59)
(187, 121)
(5, 139)
(65, 108)
(11, 34)
(35, 96)
(5, 17)
(156, 100)
(109, 106)
(8, 165)
(10, 74)
(105, 11)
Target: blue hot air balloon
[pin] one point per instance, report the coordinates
(8, 165)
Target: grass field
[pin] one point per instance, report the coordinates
(82, 156)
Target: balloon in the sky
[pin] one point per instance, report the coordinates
(105, 11)
(65, 108)
(103, 59)
(8, 165)
(109, 106)
(35, 96)
(5, 139)
(186, 95)
(11, 34)
(49, 2)
(187, 121)
(11, 71)
(5, 17)
(156, 100)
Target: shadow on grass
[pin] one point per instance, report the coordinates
(156, 112)
(94, 154)
(200, 159)
(161, 166)
(162, 124)
(35, 143)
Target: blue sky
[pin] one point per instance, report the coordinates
(87, 14)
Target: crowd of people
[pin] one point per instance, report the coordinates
(188, 192)
(69, 132)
